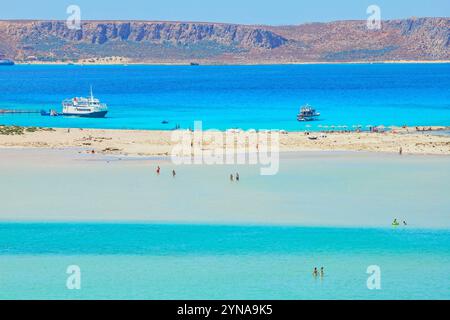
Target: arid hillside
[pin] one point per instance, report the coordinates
(182, 42)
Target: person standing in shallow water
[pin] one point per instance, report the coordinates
(322, 272)
(231, 177)
(174, 173)
(158, 170)
(237, 176)
(315, 272)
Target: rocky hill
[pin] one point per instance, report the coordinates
(183, 42)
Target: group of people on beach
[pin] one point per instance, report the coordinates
(158, 172)
(424, 129)
(317, 274)
(232, 178)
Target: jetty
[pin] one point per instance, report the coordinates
(18, 111)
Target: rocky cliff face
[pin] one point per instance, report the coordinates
(178, 33)
(412, 39)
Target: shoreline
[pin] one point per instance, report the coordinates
(269, 63)
(231, 225)
(161, 143)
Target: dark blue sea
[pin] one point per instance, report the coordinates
(258, 97)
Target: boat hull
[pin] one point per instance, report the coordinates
(98, 114)
(307, 118)
(6, 63)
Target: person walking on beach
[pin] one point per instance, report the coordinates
(174, 173)
(315, 272)
(158, 170)
(237, 176)
(400, 152)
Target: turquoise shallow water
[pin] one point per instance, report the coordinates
(260, 97)
(154, 261)
(318, 189)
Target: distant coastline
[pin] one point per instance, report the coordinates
(230, 64)
(175, 42)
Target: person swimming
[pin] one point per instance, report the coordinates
(395, 223)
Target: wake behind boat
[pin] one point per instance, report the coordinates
(89, 107)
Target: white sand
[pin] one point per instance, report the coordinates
(148, 142)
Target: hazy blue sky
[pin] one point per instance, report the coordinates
(236, 11)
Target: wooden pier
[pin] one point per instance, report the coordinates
(18, 111)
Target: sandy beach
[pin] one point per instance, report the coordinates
(160, 143)
(111, 176)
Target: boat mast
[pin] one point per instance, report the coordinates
(92, 95)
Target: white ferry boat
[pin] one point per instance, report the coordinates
(84, 107)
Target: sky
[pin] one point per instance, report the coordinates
(275, 12)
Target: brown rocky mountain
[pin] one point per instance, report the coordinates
(182, 42)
